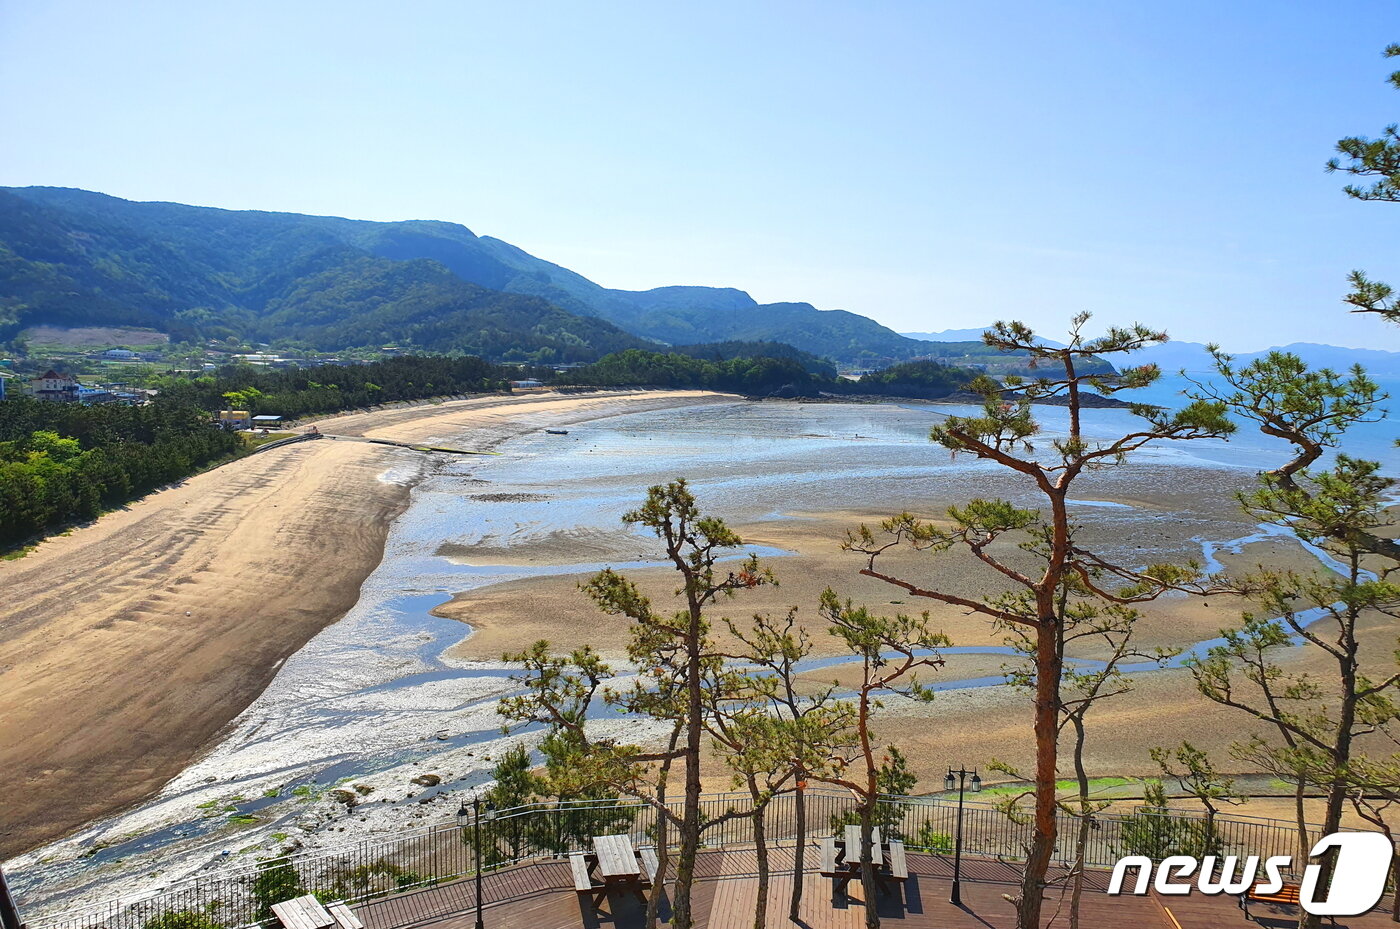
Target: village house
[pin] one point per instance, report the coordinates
(97, 394)
(54, 386)
(235, 419)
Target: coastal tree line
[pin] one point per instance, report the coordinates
(294, 393)
(764, 375)
(62, 463)
(66, 462)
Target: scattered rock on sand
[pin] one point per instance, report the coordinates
(509, 498)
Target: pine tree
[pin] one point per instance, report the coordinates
(1004, 434)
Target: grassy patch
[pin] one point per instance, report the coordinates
(1095, 783)
(94, 848)
(257, 439)
(17, 553)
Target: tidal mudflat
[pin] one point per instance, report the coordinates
(382, 718)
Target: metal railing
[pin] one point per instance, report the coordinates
(375, 868)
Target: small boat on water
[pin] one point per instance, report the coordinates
(557, 431)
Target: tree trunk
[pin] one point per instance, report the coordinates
(658, 885)
(1395, 887)
(690, 815)
(1341, 749)
(663, 854)
(690, 837)
(867, 864)
(1082, 839)
(760, 845)
(1047, 709)
(1331, 822)
(1336, 799)
(799, 854)
(1300, 817)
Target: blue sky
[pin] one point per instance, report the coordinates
(930, 165)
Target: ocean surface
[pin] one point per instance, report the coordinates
(373, 700)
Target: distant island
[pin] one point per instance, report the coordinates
(1192, 357)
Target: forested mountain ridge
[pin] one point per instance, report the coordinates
(268, 277)
(75, 257)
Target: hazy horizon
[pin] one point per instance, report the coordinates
(930, 166)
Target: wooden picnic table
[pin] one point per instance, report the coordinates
(852, 845)
(613, 863)
(840, 858)
(306, 912)
(303, 913)
(617, 861)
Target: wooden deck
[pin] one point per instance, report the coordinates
(541, 896)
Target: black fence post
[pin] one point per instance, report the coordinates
(9, 913)
(984, 831)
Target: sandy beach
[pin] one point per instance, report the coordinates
(130, 643)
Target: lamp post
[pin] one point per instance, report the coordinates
(474, 814)
(960, 779)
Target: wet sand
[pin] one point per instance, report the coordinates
(969, 726)
(129, 644)
(512, 615)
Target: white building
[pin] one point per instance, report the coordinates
(54, 386)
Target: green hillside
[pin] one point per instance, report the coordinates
(74, 257)
(71, 258)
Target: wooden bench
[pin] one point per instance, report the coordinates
(341, 913)
(578, 864)
(650, 864)
(899, 868)
(304, 912)
(583, 879)
(1287, 895)
(829, 867)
